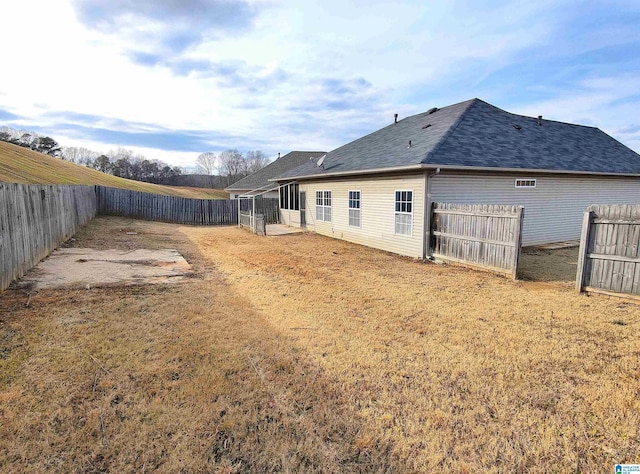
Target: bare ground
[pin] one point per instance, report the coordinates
(280, 357)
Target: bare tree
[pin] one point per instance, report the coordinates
(256, 160)
(79, 155)
(207, 163)
(232, 166)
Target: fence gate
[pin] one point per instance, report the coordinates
(254, 222)
(482, 236)
(609, 258)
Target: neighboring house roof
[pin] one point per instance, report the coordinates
(475, 134)
(260, 179)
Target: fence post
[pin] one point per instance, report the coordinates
(582, 254)
(518, 242)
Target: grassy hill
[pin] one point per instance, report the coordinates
(21, 165)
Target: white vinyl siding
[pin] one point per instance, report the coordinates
(323, 206)
(354, 208)
(553, 210)
(377, 212)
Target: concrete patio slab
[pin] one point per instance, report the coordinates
(281, 229)
(82, 267)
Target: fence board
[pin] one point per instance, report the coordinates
(609, 261)
(178, 210)
(478, 235)
(35, 219)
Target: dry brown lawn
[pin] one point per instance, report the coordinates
(306, 354)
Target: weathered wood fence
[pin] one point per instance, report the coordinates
(609, 256)
(481, 236)
(156, 207)
(254, 222)
(35, 219)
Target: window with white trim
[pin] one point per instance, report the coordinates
(323, 206)
(525, 183)
(354, 208)
(404, 212)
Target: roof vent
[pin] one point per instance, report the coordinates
(278, 156)
(395, 118)
(426, 126)
(409, 144)
(517, 127)
(540, 120)
(432, 110)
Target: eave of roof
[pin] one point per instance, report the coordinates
(427, 167)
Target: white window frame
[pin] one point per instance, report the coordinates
(525, 183)
(353, 211)
(397, 214)
(323, 210)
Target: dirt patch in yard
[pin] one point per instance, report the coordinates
(543, 264)
(281, 357)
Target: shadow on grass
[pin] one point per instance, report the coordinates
(176, 378)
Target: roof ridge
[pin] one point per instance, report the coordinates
(535, 118)
(437, 109)
(450, 131)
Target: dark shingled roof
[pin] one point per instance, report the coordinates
(478, 135)
(260, 179)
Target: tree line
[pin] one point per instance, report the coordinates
(215, 170)
(230, 165)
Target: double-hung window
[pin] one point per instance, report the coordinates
(354, 208)
(404, 212)
(323, 206)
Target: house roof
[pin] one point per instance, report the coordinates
(475, 134)
(260, 179)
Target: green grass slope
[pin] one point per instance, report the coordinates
(21, 165)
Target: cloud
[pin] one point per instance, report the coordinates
(166, 26)
(138, 134)
(6, 115)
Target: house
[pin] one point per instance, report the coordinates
(378, 189)
(258, 182)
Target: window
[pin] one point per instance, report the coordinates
(354, 208)
(290, 196)
(323, 206)
(284, 197)
(404, 212)
(525, 183)
(294, 197)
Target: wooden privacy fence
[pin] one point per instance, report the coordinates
(156, 207)
(481, 236)
(35, 219)
(609, 256)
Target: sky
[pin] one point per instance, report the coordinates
(171, 79)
